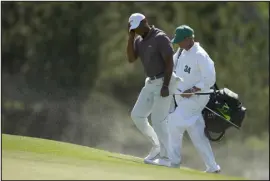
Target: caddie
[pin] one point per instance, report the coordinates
(197, 69)
(155, 50)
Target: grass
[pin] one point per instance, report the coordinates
(39, 159)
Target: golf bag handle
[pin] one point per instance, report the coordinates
(215, 87)
(219, 138)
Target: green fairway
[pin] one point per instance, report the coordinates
(31, 158)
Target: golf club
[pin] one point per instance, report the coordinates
(222, 117)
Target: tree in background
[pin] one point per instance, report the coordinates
(64, 50)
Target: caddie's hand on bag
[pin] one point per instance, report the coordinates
(192, 90)
(186, 95)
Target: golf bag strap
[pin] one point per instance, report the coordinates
(219, 138)
(179, 54)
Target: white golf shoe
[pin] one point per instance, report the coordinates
(162, 162)
(154, 153)
(216, 170)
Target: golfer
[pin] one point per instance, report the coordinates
(155, 51)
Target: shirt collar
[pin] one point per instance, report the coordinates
(150, 32)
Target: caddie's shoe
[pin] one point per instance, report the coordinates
(218, 170)
(154, 153)
(174, 165)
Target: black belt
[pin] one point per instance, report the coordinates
(160, 75)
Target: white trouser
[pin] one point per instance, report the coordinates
(150, 102)
(188, 117)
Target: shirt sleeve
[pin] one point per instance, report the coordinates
(164, 46)
(208, 73)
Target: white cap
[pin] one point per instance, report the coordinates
(135, 19)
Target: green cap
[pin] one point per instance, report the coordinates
(181, 33)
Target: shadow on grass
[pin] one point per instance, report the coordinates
(125, 159)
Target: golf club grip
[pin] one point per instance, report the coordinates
(195, 93)
(204, 93)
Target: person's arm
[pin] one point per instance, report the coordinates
(132, 53)
(166, 50)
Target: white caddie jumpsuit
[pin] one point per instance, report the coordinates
(197, 69)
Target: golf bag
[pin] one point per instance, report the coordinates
(223, 111)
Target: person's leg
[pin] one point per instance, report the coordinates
(159, 121)
(174, 146)
(176, 134)
(160, 112)
(202, 144)
(139, 114)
